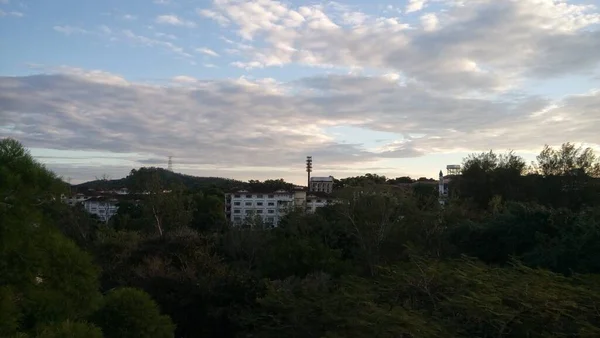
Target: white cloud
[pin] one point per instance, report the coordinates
(11, 13)
(200, 122)
(184, 79)
(477, 47)
(207, 51)
(429, 21)
(162, 2)
(174, 20)
(68, 30)
(166, 36)
(415, 5)
(213, 15)
(129, 17)
(150, 42)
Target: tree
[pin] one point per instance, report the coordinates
(131, 313)
(167, 205)
(369, 215)
(568, 160)
(47, 278)
(69, 329)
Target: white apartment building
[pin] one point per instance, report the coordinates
(271, 206)
(104, 208)
(321, 184)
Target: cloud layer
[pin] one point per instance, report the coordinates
(442, 75)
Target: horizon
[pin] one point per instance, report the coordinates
(247, 89)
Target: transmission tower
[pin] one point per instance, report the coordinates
(308, 169)
(170, 164)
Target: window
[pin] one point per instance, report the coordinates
(270, 220)
(259, 196)
(237, 219)
(259, 211)
(248, 203)
(271, 196)
(308, 201)
(236, 203)
(236, 211)
(248, 196)
(271, 204)
(271, 211)
(259, 203)
(237, 196)
(318, 201)
(248, 212)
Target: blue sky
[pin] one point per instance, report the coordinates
(247, 89)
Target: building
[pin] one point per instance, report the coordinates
(271, 206)
(103, 207)
(73, 200)
(444, 181)
(321, 184)
(315, 200)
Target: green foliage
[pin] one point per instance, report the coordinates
(49, 277)
(385, 260)
(69, 329)
(131, 313)
(318, 306)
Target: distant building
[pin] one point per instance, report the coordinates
(271, 206)
(103, 207)
(321, 184)
(73, 200)
(444, 181)
(315, 200)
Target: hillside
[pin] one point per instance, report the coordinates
(168, 178)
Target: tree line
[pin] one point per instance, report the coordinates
(511, 255)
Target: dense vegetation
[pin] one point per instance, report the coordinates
(513, 254)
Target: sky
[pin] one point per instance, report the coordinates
(248, 89)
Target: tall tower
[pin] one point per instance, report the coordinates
(170, 164)
(441, 184)
(308, 169)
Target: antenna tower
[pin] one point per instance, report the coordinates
(170, 164)
(308, 169)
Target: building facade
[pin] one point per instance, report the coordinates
(321, 184)
(103, 208)
(271, 207)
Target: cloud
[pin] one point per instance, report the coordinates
(477, 47)
(213, 15)
(415, 5)
(162, 2)
(207, 51)
(68, 30)
(174, 20)
(12, 13)
(129, 17)
(272, 125)
(150, 42)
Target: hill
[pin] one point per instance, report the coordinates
(168, 178)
